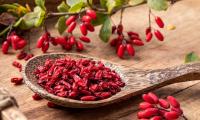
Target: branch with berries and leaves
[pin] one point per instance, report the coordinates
(84, 15)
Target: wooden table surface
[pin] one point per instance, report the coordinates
(186, 38)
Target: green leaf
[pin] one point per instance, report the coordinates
(111, 4)
(60, 25)
(191, 57)
(63, 7)
(77, 7)
(103, 3)
(33, 19)
(135, 2)
(106, 30)
(100, 19)
(73, 2)
(158, 4)
(119, 3)
(41, 3)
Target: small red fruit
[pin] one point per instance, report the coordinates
(70, 20)
(86, 18)
(158, 35)
(5, 47)
(163, 103)
(173, 101)
(119, 29)
(21, 44)
(172, 115)
(154, 97)
(137, 42)
(159, 22)
(40, 41)
(72, 40)
(17, 81)
(85, 39)
(88, 98)
(71, 27)
(130, 49)
(145, 105)
(148, 99)
(79, 46)
(90, 27)
(149, 37)
(148, 30)
(91, 13)
(36, 97)
(120, 51)
(45, 47)
(83, 29)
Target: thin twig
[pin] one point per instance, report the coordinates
(149, 18)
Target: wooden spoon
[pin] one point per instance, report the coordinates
(137, 81)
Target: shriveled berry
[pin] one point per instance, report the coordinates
(159, 22)
(91, 13)
(88, 98)
(85, 39)
(158, 35)
(173, 101)
(21, 55)
(70, 20)
(71, 27)
(5, 47)
(17, 81)
(36, 97)
(119, 29)
(52, 105)
(28, 56)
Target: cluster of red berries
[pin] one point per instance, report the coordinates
(154, 108)
(13, 40)
(17, 80)
(123, 43)
(67, 42)
(157, 33)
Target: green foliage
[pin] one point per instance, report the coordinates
(77, 7)
(60, 25)
(63, 7)
(41, 3)
(135, 2)
(106, 30)
(158, 4)
(33, 19)
(191, 57)
(73, 2)
(100, 19)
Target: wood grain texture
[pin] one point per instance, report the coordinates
(155, 55)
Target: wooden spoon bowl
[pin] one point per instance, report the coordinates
(137, 81)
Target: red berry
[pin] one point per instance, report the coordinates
(21, 55)
(28, 57)
(137, 42)
(70, 20)
(171, 115)
(83, 29)
(148, 30)
(164, 104)
(21, 44)
(90, 27)
(149, 37)
(149, 112)
(156, 118)
(40, 41)
(113, 42)
(130, 33)
(52, 105)
(147, 98)
(159, 22)
(61, 40)
(5, 47)
(153, 96)
(14, 40)
(85, 39)
(158, 35)
(119, 29)
(114, 29)
(145, 105)
(86, 18)
(91, 13)
(36, 97)
(88, 98)
(72, 40)
(178, 110)
(173, 101)
(79, 46)
(17, 81)
(53, 41)
(71, 27)
(130, 49)
(45, 47)
(120, 51)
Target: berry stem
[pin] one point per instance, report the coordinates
(121, 16)
(10, 29)
(149, 18)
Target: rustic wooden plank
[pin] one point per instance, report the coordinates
(154, 55)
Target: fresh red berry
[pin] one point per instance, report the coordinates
(148, 99)
(114, 29)
(14, 40)
(159, 22)
(153, 96)
(45, 47)
(70, 20)
(86, 18)
(119, 29)
(71, 27)
(5, 47)
(130, 33)
(148, 30)
(149, 37)
(137, 42)
(163, 103)
(91, 13)
(173, 101)
(156, 118)
(21, 44)
(145, 105)
(79, 46)
(40, 41)
(172, 115)
(120, 51)
(158, 35)
(72, 40)
(61, 40)
(130, 49)
(85, 39)
(90, 27)
(83, 29)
